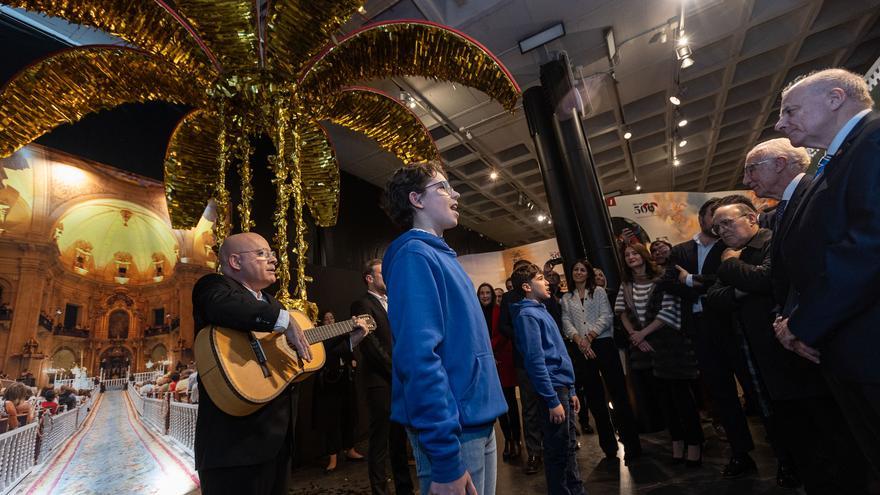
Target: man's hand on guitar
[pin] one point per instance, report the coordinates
(297, 339)
(361, 330)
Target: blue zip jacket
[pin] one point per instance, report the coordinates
(544, 356)
(444, 378)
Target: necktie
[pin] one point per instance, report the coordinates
(824, 161)
(777, 216)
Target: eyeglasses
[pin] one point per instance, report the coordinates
(726, 224)
(750, 167)
(261, 253)
(442, 185)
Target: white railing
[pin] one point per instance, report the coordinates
(136, 399)
(155, 414)
(182, 424)
(115, 383)
(146, 376)
(55, 429)
(17, 449)
(87, 384)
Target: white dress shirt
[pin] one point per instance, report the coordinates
(283, 316)
(844, 132)
(789, 189)
(383, 300)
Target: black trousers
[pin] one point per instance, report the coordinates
(680, 410)
(720, 358)
(509, 421)
(269, 478)
(608, 362)
(387, 442)
(591, 393)
(560, 459)
(820, 445)
(533, 409)
(860, 405)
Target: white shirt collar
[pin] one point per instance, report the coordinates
(789, 189)
(377, 295)
(844, 132)
(257, 294)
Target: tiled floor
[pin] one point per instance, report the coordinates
(114, 454)
(652, 474)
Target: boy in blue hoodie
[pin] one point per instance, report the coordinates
(445, 388)
(550, 370)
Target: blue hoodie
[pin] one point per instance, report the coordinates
(545, 358)
(444, 378)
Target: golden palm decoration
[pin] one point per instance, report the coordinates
(247, 68)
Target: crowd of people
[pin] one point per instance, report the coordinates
(182, 385)
(23, 404)
(779, 304)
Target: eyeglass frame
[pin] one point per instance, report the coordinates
(749, 168)
(716, 229)
(270, 255)
(443, 184)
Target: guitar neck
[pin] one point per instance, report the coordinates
(326, 332)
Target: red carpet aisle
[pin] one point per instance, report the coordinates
(114, 454)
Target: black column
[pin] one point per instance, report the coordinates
(580, 170)
(540, 120)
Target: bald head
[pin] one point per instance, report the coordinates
(772, 165)
(816, 107)
(247, 257)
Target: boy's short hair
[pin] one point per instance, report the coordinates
(409, 178)
(524, 275)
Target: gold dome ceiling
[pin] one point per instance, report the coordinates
(116, 241)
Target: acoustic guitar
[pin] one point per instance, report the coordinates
(243, 371)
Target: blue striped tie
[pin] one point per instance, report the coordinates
(824, 161)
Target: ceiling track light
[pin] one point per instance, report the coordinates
(682, 143)
(675, 100)
(493, 175)
(628, 134)
(362, 10)
(638, 187)
(676, 162)
(541, 217)
(683, 51)
(683, 122)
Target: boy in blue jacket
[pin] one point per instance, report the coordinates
(550, 370)
(444, 383)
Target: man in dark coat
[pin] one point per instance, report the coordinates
(798, 409)
(386, 436)
(831, 248)
(690, 272)
(245, 454)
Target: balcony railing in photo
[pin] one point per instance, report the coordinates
(25, 449)
(174, 421)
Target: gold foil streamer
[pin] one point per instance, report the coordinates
(409, 49)
(67, 86)
(222, 226)
(243, 153)
(300, 244)
(319, 172)
(228, 28)
(280, 173)
(299, 29)
(144, 24)
(380, 117)
(190, 165)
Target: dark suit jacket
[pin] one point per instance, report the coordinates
(223, 440)
(785, 375)
(375, 363)
(831, 252)
(781, 283)
(686, 256)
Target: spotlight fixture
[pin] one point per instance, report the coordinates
(675, 100)
(683, 122)
(468, 135)
(541, 217)
(549, 221)
(638, 187)
(683, 52)
(682, 143)
(628, 134)
(531, 206)
(362, 10)
(411, 103)
(676, 162)
(493, 175)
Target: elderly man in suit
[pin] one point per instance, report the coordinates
(386, 436)
(691, 271)
(831, 247)
(246, 454)
(799, 413)
(775, 169)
